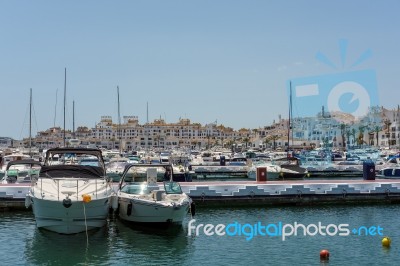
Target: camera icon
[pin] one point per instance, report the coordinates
(347, 92)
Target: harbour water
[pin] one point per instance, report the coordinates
(120, 244)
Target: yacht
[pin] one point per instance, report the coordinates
(21, 171)
(69, 197)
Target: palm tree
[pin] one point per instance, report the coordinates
(387, 124)
(360, 139)
(246, 140)
(353, 134)
(274, 138)
(267, 141)
(255, 130)
(342, 132)
(377, 129)
(348, 134)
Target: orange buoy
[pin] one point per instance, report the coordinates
(324, 254)
(86, 198)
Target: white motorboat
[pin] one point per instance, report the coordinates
(21, 171)
(391, 169)
(291, 168)
(70, 197)
(145, 202)
(389, 173)
(10, 158)
(273, 170)
(115, 168)
(181, 168)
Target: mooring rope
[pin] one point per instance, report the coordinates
(87, 236)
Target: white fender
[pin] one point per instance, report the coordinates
(28, 201)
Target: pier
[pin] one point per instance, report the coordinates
(292, 192)
(218, 171)
(253, 193)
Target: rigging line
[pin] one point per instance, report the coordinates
(23, 124)
(87, 236)
(55, 110)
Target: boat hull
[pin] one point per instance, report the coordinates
(251, 174)
(79, 217)
(140, 211)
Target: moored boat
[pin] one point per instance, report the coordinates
(145, 202)
(21, 171)
(70, 197)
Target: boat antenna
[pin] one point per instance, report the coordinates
(65, 96)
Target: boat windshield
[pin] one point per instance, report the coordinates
(89, 161)
(172, 187)
(136, 188)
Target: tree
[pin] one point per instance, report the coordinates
(246, 141)
(360, 139)
(348, 134)
(343, 132)
(377, 129)
(387, 125)
(274, 138)
(266, 141)
(353, 134)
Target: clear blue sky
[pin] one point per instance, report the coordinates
(205, 60)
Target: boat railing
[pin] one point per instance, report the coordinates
(78, 185)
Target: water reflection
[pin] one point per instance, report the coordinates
(123, 244)
(149, 245)
(49, 248)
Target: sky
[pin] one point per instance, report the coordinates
(227, 61)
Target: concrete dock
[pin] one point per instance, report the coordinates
(249, 193)
(293, 192)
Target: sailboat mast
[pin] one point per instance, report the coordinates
(65, 97)
(290, 116)
(73, 119)
(147, 124)
(30, 123)
(119, 123)
(55, 110)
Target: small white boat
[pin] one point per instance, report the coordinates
(10, 158)
(283, 168)
(71, 197)
(145, 202)
(273, 171)
(115, 168)
(392, 172)
(21, 171)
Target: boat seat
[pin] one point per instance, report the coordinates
(157, 195)
(26, 179)
(152, 175)
(11, 179)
